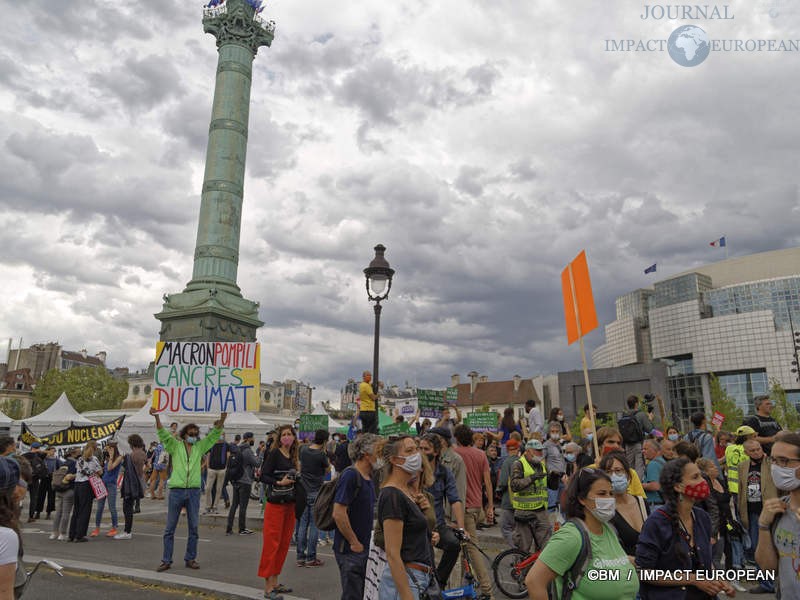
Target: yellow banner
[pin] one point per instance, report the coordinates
(207, 377)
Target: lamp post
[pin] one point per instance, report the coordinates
(379, 282)
(795, 348)
(517, 380)
(473, 383)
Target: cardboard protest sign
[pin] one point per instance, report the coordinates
(451, 395)
(398, 429)
(207, 377)
(73, 436)
(430, 403)
(408, 408)
(718, 419)
(309, 424)
(482, 421)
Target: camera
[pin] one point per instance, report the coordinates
(292, 474)
(649, 398)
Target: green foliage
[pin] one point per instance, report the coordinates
(722, 403)
(602, 421)
(784, 412)
(14, 409)
(486, 407)
(88, 388)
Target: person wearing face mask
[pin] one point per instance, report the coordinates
(556, 466)
(673, 434)
(610, 439)
(779, 521)
(630, 512)
(278, 472)
(407, 538)
(677, 536)
(186, 452)
(314, 464)
(243, 485)
(528, 485)
(589, 507)
(557, 416)
(353, 508)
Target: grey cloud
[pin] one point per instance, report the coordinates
(140, 83)
(469, 180)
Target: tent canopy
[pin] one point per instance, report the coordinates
(332, 423)
(143, 416)
(5, 420)
(243, 418)
(61, 412)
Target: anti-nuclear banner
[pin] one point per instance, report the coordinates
(73, 436)
(309, 424)
(482, 421)
(207, 377)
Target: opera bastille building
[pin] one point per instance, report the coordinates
(733, 318)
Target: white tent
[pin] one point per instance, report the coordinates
(332, 423)
(143, 416)
(5, 420)
(60, 414)
(243, 418)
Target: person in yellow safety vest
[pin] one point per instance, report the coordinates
(528, 490)
(734, 454)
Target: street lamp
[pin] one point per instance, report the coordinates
(473, 383)
(517, 380)
(379, 282)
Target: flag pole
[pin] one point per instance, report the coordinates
(726, 246)
(583, 359)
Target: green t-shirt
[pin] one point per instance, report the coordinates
(607, 557)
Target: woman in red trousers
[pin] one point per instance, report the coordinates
(278, 472)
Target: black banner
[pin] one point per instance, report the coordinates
(74, 435)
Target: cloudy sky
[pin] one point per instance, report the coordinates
(484, 143)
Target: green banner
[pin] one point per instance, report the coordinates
(310, 423)
(430, 403)
(482, 421)
(398, 429)
(451, 395)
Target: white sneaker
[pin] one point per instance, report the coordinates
(62, 538)
(738, 586)
(53, 536)
(123, 536)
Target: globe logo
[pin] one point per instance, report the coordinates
(688, 45)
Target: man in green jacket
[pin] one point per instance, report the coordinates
(187, 452)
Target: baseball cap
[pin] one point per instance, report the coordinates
(9, 473)
(247, 435)
(442, 431)
(534, 445)
(36, 445)
(512, 444)
(745, 430)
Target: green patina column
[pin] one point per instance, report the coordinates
(211, 307)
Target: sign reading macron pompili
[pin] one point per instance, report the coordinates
(207, 377)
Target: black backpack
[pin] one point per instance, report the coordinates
(38, 468)
(572, 577)
(322, 511)
(235, 465)
(630, 429)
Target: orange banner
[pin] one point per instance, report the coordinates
(580, 290)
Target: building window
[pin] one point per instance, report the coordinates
(147, 390)
(686, 394)
(744, 386)
(136, 390)
(266, 396)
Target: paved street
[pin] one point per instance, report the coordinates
(228, 563)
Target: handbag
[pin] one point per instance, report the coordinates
(98, 487)
(280, 494)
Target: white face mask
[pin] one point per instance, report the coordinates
(413, 464)
(604, 509)
(554, 436)
(785, 478)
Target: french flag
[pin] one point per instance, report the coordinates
(720, 243)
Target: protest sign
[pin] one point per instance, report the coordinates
(430, 403)
(73, 436)
(718, 419)
(397, 429)
(309, 424)
(207, 377)
(451, 395)
(482, 421)
(407, 408)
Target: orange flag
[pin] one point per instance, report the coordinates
(578, 291)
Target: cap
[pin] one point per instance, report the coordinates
(36, 445)
(534, 445)
(745, 430)
(9, 473)
(247, 435)
(512, 444)
(442, 431)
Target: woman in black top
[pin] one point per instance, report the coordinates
(631, 512)
(278, 472)
(406, 535)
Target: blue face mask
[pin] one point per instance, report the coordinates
(673, 437)
(190, 439)
(570, 457)
(619, 483)
(589, 436)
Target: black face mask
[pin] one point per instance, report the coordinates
(252, 443)
(431, 457)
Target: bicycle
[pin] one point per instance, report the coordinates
(472, 587)
(509, 569)
(20, 589)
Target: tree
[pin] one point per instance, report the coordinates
(784, 412)
(722, 403)
(88, 388)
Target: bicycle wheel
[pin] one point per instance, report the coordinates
(507, 576)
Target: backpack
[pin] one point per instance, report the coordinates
(58, 479)
(630, 429)
(322, 511)
(235, 465)
(572, 576)
(694, 436)
(38, 468)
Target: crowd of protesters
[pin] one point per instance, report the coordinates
(635, 498)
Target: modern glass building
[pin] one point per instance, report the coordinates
(732, 318)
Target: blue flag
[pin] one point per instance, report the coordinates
(650, 269)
